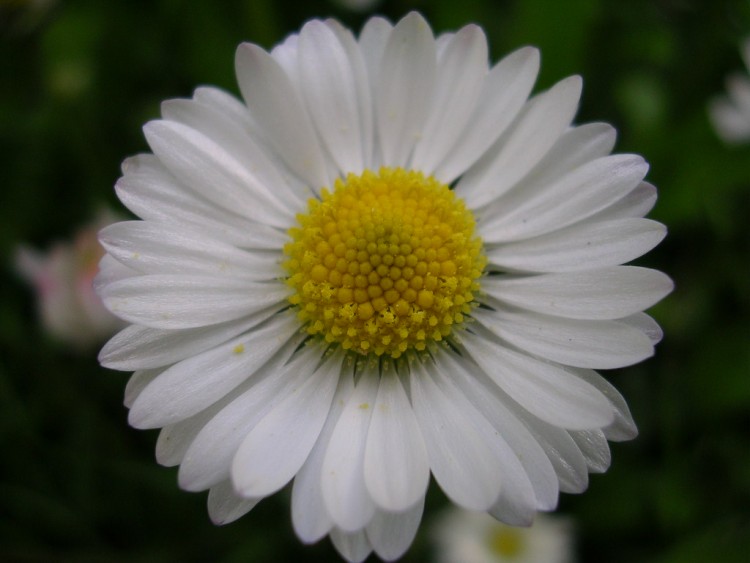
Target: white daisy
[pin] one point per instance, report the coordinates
(387, 262)
(474, 537)
(730, 114)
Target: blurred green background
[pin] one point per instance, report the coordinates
(79, 78)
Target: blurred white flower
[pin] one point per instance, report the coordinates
(69, 308)
(460, 536)
(730, 114)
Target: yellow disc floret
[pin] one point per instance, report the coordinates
(384, 263)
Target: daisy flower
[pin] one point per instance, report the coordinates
(386, 262)
(474, 537)
(730, 114)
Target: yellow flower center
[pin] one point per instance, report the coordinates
(384, 263)
(506, 542)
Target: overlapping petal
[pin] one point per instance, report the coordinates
(396, 468)
(338, 105)
(404, 86)
(463, 449)
(153, 194)
(175, 301)
(535, 132)
(580, 247)
(343, 479)
(191, 385)
(275, 104)
(275, 449)
(607, 293)
(606, 344)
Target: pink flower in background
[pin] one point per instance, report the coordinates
(69, 308)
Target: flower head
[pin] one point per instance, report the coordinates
(386, 263)
(730, 114)
(69, 308)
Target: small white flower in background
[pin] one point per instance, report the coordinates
(69, 308)
(730, 114)
(386, 262)
(460, 536)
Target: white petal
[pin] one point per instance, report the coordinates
(273, 451)
(513, 508)
(441, 43)
(225, 506)
(578, 343)
(330, 87)
(194, 383)
(636, 203)
(623, 427)
(343, 480)
(516, 501)
(404, 88)
(309, 515)
(286, 54)
(372, 41)
(275, 105)
(397, 471)
(175, 439)
(562, 451)
(175, 301)
(545, 390)
(140, 347)
(363, 89)
(391, 534)
(227, 104)
(505, 90)
(137, 383)
(461, 74)
(609, 293)
(153, 248)
(645, 324)
(211, 170)
(244, 147)
(543, 121)
(490, 401)
(352, 546)
(580, 247)
(462, 447)
(110, 271)
(542, 208)
(577, 146)
(152, 193)
(209, 457)
(595, 450)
